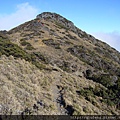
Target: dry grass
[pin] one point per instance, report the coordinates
(22, 85)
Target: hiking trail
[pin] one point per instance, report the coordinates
(58, 96)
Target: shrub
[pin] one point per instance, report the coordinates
(107, 95)
(61, 26)
(65, 66)
(24, 43)
(29, 47)
(27, 44)
(7, 48)
(104, 79)
(87, 92)
(52, 43)
(41, 57)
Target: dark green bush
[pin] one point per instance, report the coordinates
(87, 92)
(7, 48)
(27, 44)
(24, 43)
(29, 47)
(104, 79)
(65, 66)
(107, 95)
(52, 43)
(41, 57)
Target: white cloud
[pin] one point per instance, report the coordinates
(112, 38)
(23, 13)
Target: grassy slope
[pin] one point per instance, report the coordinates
(94, 60)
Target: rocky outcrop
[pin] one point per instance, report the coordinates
(65, 23)
(57, 18)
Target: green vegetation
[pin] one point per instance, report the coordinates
(27, 44)
(52, 30)
(52, 43)
(29, 47)
(112, 94)
(41, 57)
(65, 66)
(7, 48)
(107, 95)
(93, 59)
(87, 92)
(23, 42)
(104, 79)
(85, 55)
(60, 25)
(68, 42)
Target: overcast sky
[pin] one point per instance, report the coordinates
(97, 17)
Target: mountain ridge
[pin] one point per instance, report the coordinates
(52, 16)
(79, 74)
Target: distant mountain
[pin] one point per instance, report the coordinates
(48, 66)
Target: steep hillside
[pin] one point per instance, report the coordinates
(49, 66)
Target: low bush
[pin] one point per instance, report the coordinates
(8, 48)
(52, 43)
(41, 57)
(27, 44)
(24, 43)
(107, 95)
(61, 26)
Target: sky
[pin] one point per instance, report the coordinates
(99, 18)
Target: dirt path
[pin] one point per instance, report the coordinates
(57, 96)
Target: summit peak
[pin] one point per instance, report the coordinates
(51, 15)
(57, 18)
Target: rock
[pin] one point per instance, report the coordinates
(56, 17)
